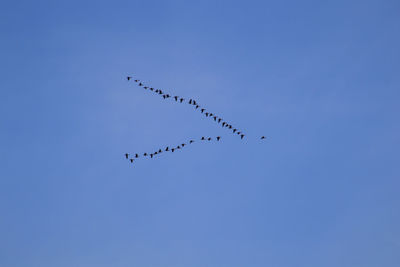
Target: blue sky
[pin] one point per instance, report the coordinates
(319, 78)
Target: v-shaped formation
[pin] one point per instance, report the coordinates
(217, 119)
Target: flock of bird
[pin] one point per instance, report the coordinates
(197, 106)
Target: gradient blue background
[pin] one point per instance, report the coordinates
(319, 78)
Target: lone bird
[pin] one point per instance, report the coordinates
(126, 155)
(218, 137)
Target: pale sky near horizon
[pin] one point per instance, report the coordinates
(320, 79)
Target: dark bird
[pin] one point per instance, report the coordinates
(178, 147)
(172, 149)
(126, 155)
(194, 102)
(202, 110)
(218, 137)
(262, 137)
(136, 156)
(145, 87)
(167, 149)
(203, 138)
(155, 153)
(168, 95)
(191, 141)
(230, 126)
(182, 99)
(197, 106)
(226, 125)
(129, 77)
(145, 154)
(140, 84)
(151, 155)
(234, 130)
(131, 160)
(215, 118)
(219, 120)
(164, 96)
(151, 88)
(159, 151)
(238, 133)
(211, 114)
(223, 124)
(190, 101)
(206, 114)
(157, 91)
(183, 145)
(241, 136)
(161, 92)
(209, 139)
(137, 81)
(176, 98)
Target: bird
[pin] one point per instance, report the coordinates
(131, 160)
(203, 138)
(202, 110)
(157, 91)
(219, 120)
(263, 137)
(238, 133)
(197, 106)
(172, 149)
(140, 84)
(145, 87)
(241, 136)
(137, 81)
(211, 114)
(183, 145)
(223, 124)
(181, 99)
(159, 151)
(145, 154)
(230, 126)
(215, 118)
(126, 155)
(190, 101)
(151, 88)
(218, 137)
(178, 147)
(209, 139)
(151, 155)
(136, 156)
(234, 130)
(167, 149)
(168, 95)
(206, 114)
(161, 92)
(191, 141)
(129, 77)
(155, 153)
(176, 98)
(164, 96)
(194, 102)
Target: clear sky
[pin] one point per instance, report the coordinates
(319, 78)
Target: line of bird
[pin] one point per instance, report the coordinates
(193, 102)
(135, 156)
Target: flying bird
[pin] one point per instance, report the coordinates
(159, 151)
(172, 149)
(151, 155)
(140, 84)
(191, 141)
(206, 114)
(203, 138)
(181, 99)
(219, 120)
(209, 139)
(167, 149)
(218, 137)
(202, 110)
(262, 137)
(145, 154)
(234, 130)
(197, 106)
(137, 81)
(241, 136)
(126, 155)
(131, 160)
(129, 77)
(136, 156)
(183, 145)
(145, 87)
(190, 101)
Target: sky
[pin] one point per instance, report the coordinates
(320, 79)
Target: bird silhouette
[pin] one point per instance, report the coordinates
(151, 155)
(157, 91)
(126, 155)
(202, 110)
(181, 99)
(178, 147)
(262, 137)
(136, 156)
(241, 136)
(129, 77)
(219, 120)
(159, 151)
(209, 139)
(155, 153)
(145, 87)
(190, 101)
(145, 154)
(218, 137)
(230, 126)
(191, 141)
(215, 118)
(176, 98)
(183, 145)
(197, 106)
(151, 88)
(203, 138)
(164, 96)
(238, 133)
(167, 149)
(194, 102)
(140, 84)
(206, 114)
(137, 81)
(234, 130)
(131, 160)
(172, 149)
(223, 124)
